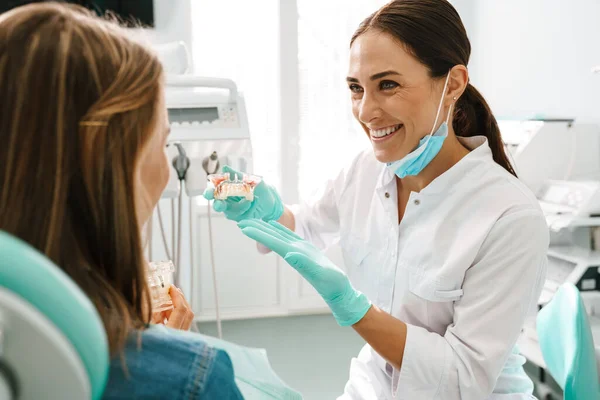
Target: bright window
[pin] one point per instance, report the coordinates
(329, 134)
(239, 39)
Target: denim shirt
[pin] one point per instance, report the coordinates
(162, 364)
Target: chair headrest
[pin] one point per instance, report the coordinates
(33, 277)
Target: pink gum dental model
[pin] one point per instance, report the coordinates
(226, 187)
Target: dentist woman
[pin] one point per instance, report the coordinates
(445, 248)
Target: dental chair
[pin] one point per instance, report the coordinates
(52, 342)
(567, 344)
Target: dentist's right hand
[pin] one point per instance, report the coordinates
(267, 204)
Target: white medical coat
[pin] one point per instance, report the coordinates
(463, 270)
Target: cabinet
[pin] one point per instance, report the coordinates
(249, 284)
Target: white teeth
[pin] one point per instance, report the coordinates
(384, 132)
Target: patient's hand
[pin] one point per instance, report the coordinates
(180, 316)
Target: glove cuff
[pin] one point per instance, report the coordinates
(350, 308)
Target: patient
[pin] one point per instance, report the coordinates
(83, 129)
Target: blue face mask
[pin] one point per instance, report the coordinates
(415, 161)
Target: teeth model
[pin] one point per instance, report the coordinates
(160, 279)
(226, 187)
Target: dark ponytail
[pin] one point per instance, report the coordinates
(472, 117)
(433, 31)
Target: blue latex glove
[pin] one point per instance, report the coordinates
(347, 304)
(267, 204)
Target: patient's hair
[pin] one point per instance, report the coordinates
(78, 104)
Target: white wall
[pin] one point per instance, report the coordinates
(466, 10)
(533, 58)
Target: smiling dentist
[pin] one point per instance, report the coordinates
(445, 248)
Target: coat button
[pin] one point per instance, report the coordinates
(417, 202)
(387, 195)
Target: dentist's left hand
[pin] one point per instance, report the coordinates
(347, 304)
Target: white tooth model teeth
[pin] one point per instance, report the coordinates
(226, 187)
(160, 279)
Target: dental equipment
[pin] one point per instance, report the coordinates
(181, 164)
(552, 149)
(174, 57)
(209, 129)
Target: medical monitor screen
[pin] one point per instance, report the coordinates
(199, 114)
(131, 12)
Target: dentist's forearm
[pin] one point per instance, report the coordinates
(385, 334)
(287, 219)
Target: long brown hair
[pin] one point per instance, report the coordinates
(434, 33)
(79, 101)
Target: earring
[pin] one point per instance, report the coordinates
(454, 98)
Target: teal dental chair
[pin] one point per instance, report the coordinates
(52, 342)
(567, 344)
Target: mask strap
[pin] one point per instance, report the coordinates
(437, 115)
(449, 112)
